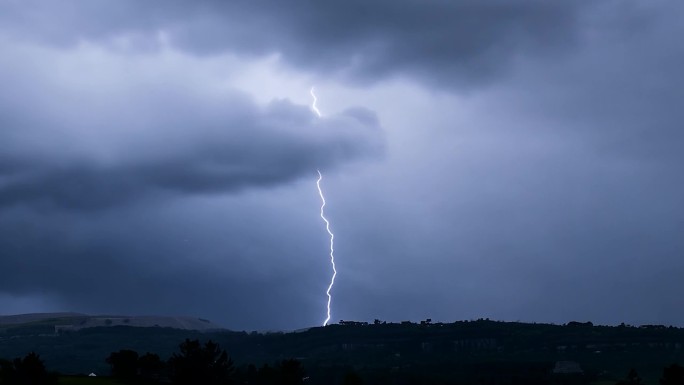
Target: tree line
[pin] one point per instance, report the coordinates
(198, 363)
(195, 363)
(209, 364)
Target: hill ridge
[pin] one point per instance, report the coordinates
(65, 321)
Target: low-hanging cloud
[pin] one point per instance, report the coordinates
(79, 136)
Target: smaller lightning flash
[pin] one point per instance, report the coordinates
(313, 105)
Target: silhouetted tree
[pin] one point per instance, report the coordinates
(673, 375)
(197, 364)
(252, 375)
(150, 366)
(6, 371)
(124, 364)
(267, 375)
(291, 372)
(632, 378)
(27, 371)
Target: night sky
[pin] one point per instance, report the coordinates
(513, 160)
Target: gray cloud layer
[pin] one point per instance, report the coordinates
(133, 180)
(445, 43)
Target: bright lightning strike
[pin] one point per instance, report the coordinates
(313, 105)
(332, 250)
(327, 223)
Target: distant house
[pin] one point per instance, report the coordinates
(567, 367)
(653, 327)
(352, 323)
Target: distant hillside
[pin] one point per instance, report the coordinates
(58, 322)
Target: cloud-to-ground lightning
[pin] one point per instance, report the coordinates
(332, 249)
(327, 223)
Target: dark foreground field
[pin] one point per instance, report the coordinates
(80, 380)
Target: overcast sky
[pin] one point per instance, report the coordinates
(517, 160)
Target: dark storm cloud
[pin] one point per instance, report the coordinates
(260, 156)
(446, 43)
(69, 142)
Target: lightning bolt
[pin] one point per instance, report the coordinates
(313, 105)
(327, 223)
(332, 249)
